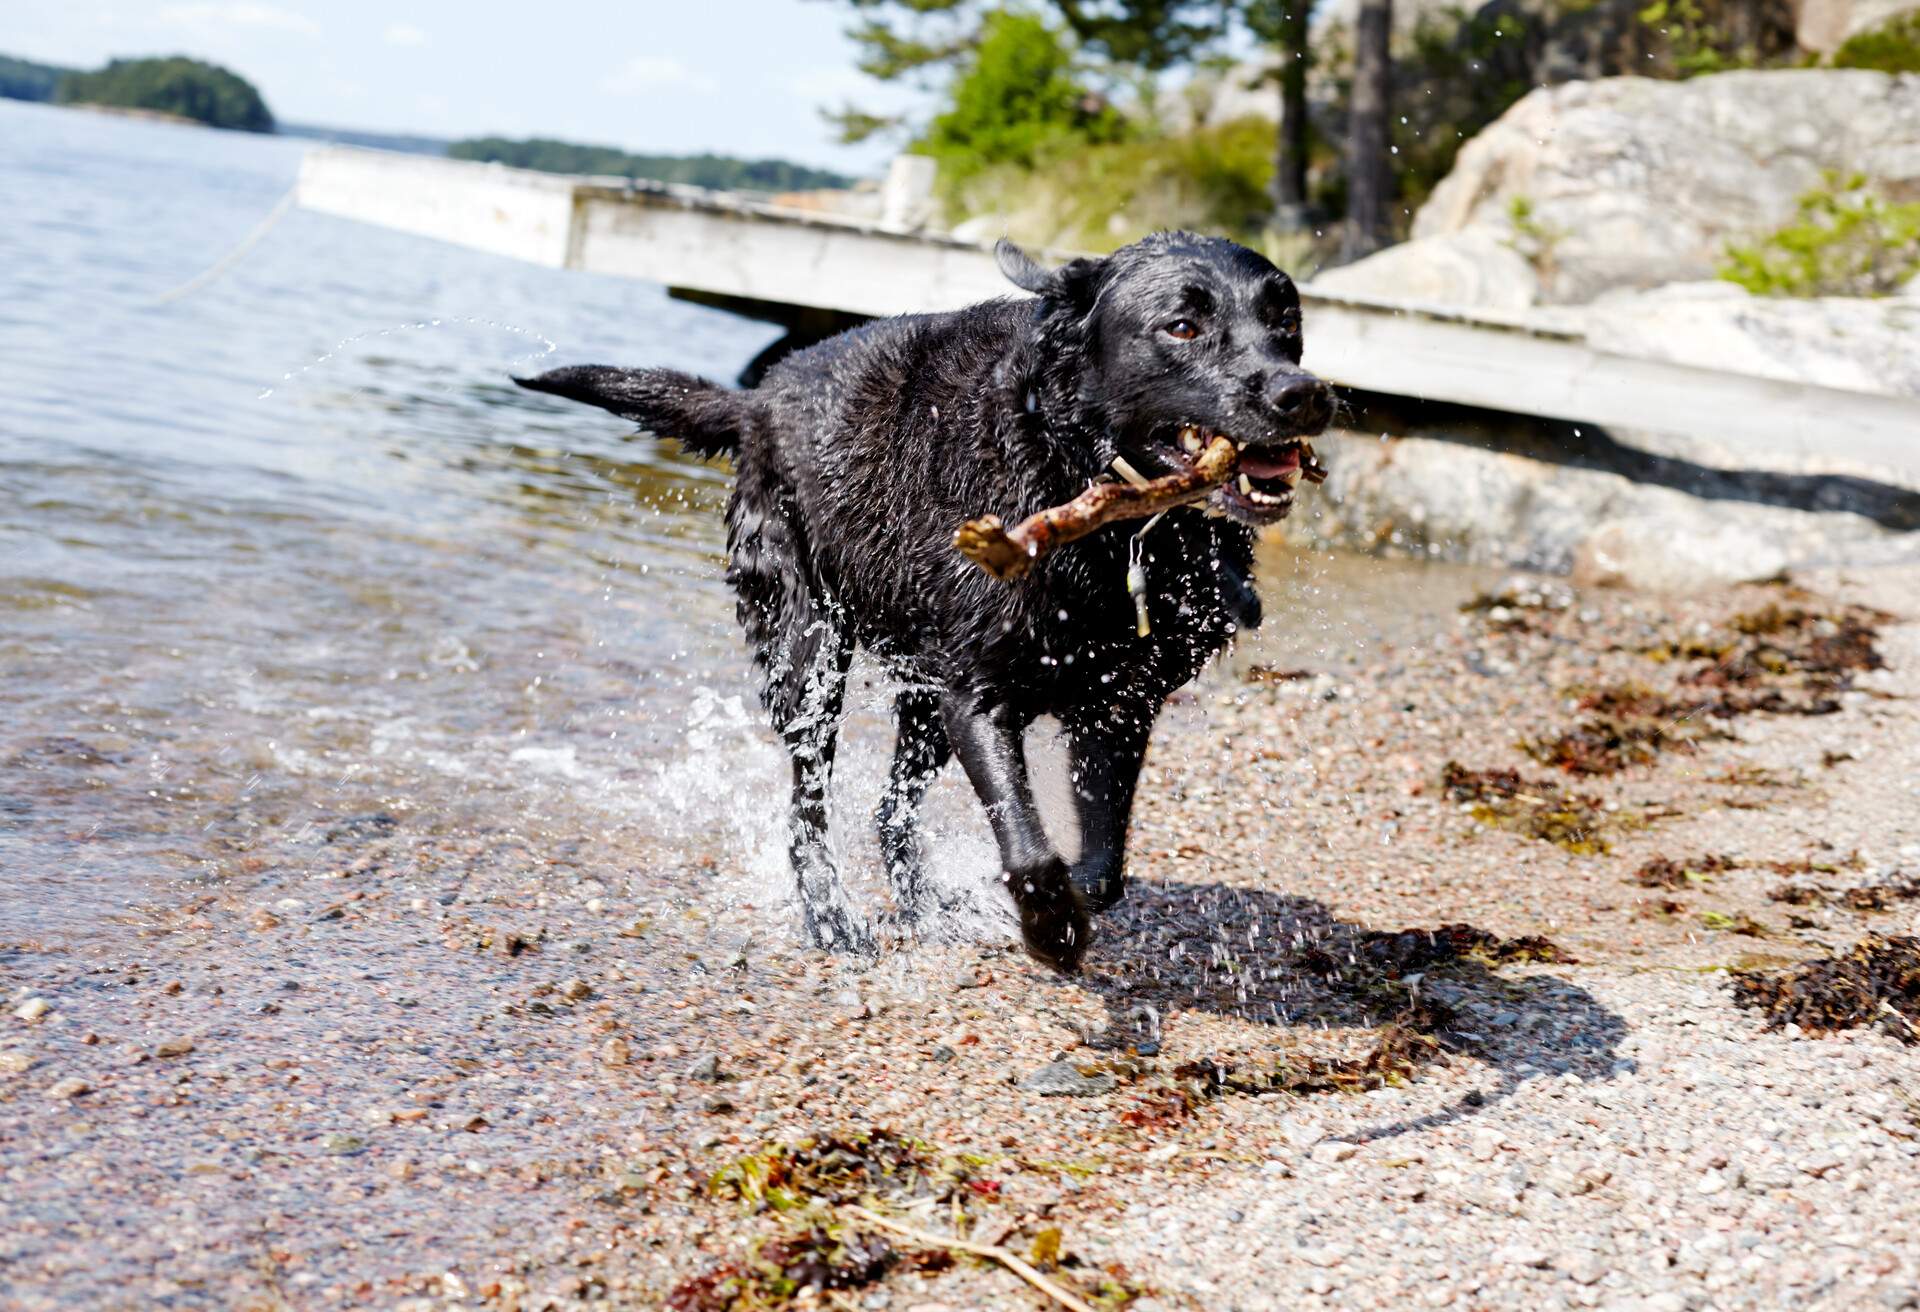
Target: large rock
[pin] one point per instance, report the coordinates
(1653, 522)
(1474, 267)
(1844, 342)
(1630, 182)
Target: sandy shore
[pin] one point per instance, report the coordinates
(414, 1067)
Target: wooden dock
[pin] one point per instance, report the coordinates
(802, 269)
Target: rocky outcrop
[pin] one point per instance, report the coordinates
(1630, 182)
(1845, 342)
(1823, 26)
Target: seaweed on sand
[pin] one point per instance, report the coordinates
(1875, 982)
(1506, 800)
(876, 1164)
(1665, 872)
(1863, 898)
(781, 1270)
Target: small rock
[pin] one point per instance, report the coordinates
(1333, 1150)
(1581, 1268)
(15, 1063)
(71, 1087)
(576, 990)
(942, 1053)
(32, 1009)
(173, 1048)
(1524, 1256)
(706, 1069)
(264, 919)
(616, 1051)
(1062, 1079)
(342, 1145)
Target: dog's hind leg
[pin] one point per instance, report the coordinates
(919, 750)
(805, 698)
(1106, 745)
(1053, 918)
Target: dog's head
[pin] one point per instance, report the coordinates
(1174, 339)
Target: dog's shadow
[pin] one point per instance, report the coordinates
(1286, 962)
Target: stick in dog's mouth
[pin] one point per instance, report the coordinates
(1211, 459)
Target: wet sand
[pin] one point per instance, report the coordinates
(397, 1058)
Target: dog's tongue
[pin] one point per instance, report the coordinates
(1269, 464)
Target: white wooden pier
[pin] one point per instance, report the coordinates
(785, 265)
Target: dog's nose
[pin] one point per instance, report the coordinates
(1302, 401)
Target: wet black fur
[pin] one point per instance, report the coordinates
(857, 458)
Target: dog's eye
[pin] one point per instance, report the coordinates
(1183, 329)
(1289, 322)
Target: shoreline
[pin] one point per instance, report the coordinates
(502, 1066)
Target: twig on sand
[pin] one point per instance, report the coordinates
(1000, 1255)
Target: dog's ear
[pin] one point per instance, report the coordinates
(1072, 286)
(1020, 268)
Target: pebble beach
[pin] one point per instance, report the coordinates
(415, 1061)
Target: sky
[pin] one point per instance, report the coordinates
(738, 77)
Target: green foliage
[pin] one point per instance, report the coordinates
(1846, 240)
(1462, 73)
(1017, 102)
(22, 79)
(1102, 196)
(1893, 47)
(203, 92)
(719, 171)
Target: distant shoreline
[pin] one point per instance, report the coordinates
(150, 115)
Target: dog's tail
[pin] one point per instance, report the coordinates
(705, 418)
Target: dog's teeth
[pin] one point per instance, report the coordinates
(1190, 439)
(1246, 485)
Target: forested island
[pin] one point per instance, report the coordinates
(722, 172)
(176, 85)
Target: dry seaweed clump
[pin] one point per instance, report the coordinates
(827, 1168)
(782, 1270)
(1506, 800)
(1607, 744)
(1782, 660)
(1665, 872)
(1865, 898)
(1395, 955)
(1876, 982)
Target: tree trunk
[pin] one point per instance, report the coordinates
(1369, 166)
(1290, 153)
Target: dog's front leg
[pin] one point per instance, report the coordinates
(1106, 745)
(988, 740)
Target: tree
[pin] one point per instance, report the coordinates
(1369, 168)
(1282, 24)
(921, 41)
(1014, 100)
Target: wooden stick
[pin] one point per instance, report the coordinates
(1000, 1255)
(1007, 554)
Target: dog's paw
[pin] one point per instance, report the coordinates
(837, 929)
(1054, 925)
(1101, 889)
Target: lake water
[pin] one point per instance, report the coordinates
(292, 548)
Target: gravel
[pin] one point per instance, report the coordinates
(540, 1127)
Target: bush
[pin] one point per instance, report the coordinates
(1893, 47)
(1846, 240)
(189, 88)
(1016, 103)
(1101, 196)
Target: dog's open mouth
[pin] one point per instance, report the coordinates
(1263, 479)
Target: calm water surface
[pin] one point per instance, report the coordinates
(291, 548)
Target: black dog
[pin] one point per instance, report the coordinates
(858, 457)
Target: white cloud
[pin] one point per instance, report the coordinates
(239, 14)
(404, 34)
(644, 73)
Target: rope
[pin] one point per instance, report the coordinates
(233, 256)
